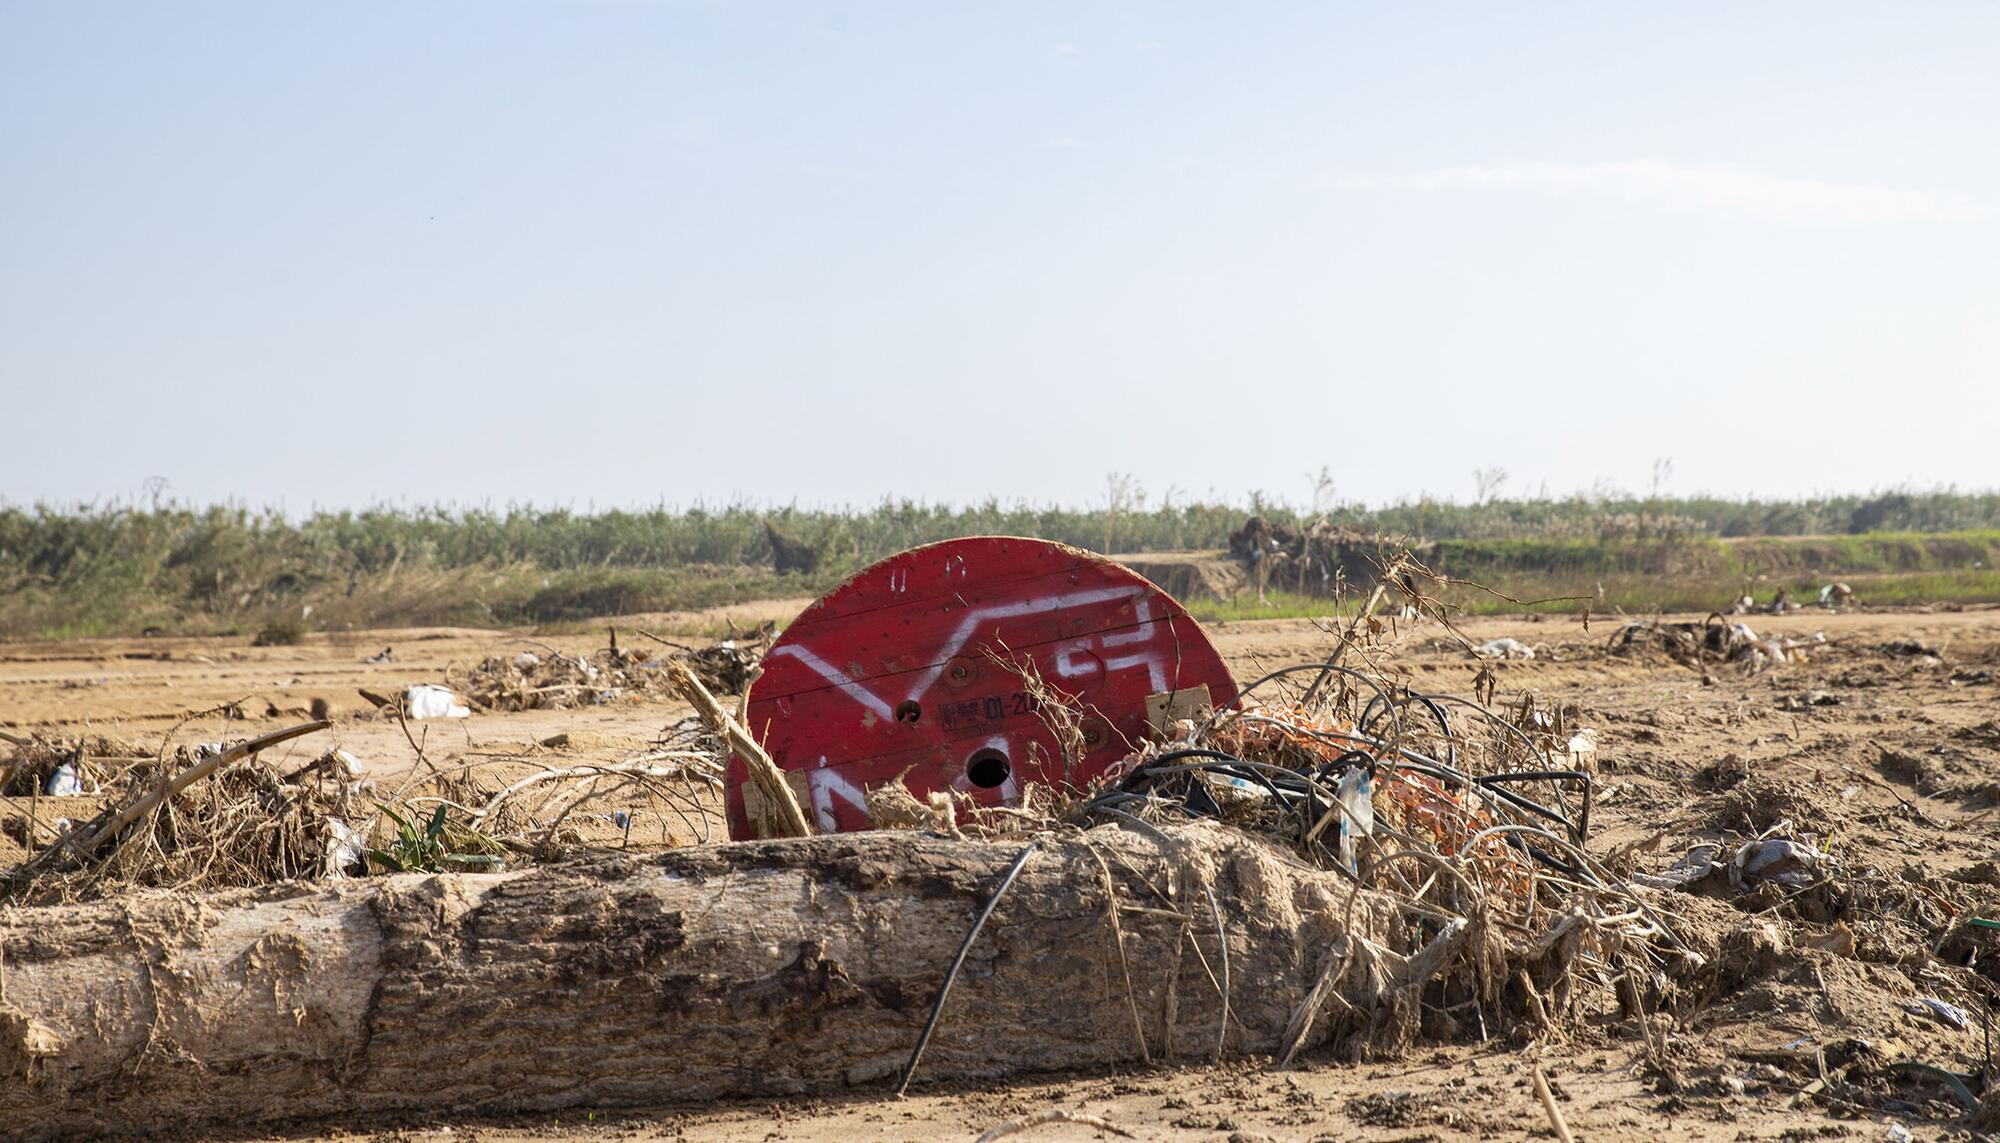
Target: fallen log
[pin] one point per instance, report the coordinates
(752, 969)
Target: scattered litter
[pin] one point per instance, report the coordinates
(64, 782)
(1693, 644)
(1582, 750)
(1356, 795)
(201, 817)
(1950, 1014)
(1778, 859)
(346, 847)
(1694, 866)
(385, 655)
(426, 701)
(1435, 802)
(1505, 647)
(727, 666)
(93, 759)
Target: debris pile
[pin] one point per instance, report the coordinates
(54, 765)
(240, 821)
(1473, 826)
(728, 666)
(1316, 558)
(552, 680)
(549, 679)
(545, 808)
(1711, 641)
(1814, 924)
(1448, 815)
(221, 815)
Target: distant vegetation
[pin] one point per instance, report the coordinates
(125, 569)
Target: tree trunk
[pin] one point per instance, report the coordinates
(752, 969)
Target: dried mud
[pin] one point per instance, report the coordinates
(1883, 749)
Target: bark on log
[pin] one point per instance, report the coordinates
(749, 969)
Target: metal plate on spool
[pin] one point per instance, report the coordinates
(919, 668)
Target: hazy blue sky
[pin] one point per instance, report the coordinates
(616, 253)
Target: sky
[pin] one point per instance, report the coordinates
(603, 254)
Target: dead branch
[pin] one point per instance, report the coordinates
(764, 773)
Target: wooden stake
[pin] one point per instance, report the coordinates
(1549, 1105)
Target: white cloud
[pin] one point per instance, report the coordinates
(1065, 143)
(1064, 51)
(1670, 186)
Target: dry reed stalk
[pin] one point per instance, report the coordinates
(764, 773)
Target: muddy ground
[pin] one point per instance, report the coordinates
(1884, 747)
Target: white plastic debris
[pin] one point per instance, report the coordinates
(349, 766)
(427, 701)
(1582, 750)
(1505, 647)
(63, 782)
(1950, 1014)
(1777, 859)
(1356, 795)
(346, 847)
(527, 661)
(1696, 864)
(1230, 790)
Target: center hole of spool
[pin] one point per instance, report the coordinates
(908, 711)
(987, 768)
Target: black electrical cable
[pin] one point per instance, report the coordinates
(1492, 784)
(1367, 721)
(1296, 668)
(1424, 763)
(957, 962)
(1312, 789)
(1502, 723)
(1167, 764)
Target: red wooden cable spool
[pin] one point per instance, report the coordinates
(918, 667)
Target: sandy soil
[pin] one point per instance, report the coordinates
(1888, 753)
